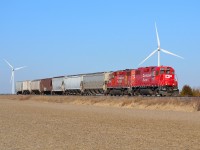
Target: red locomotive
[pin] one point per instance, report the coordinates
(119, 82)
(144, 81)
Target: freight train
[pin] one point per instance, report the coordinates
(146, 81)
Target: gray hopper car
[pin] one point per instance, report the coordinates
(95, 83)
(73, 85)
(58, 85)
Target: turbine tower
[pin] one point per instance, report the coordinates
(158, 50)
(13, 75)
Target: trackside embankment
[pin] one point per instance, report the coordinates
(187, 104)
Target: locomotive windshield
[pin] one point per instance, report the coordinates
(166, 71)
(162, 70)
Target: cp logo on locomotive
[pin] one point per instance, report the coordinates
(168, 76)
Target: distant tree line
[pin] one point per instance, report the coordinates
(188, 91)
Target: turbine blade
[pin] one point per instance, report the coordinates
(158, 40)
(8, 64)
(20, 68)
(167, 52)
(148, 57)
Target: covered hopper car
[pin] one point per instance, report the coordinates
(73, 85)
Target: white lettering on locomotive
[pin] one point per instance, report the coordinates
(145, 80)
(146, 75)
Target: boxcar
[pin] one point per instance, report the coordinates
(95, 83)
(58, 85)
(18, 87)
(73, 85)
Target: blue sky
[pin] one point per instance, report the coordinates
(56, 38)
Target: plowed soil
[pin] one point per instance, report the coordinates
(36, 124)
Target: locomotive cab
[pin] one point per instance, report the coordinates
(167, 77)
(167, 82)
(155, 80)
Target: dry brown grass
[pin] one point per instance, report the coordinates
(153, 103)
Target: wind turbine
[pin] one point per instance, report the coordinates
(158, 50)
(13, 75)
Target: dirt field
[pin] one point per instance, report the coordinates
(26, 123)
